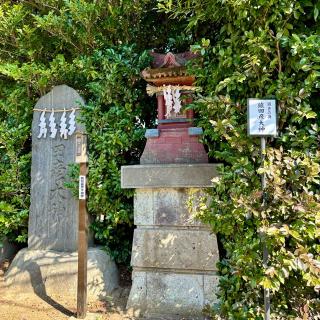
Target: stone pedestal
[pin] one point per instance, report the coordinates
(173, 256)
(52, 273)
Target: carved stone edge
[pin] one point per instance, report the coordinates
(195, 131)
(169, 175)
(152, 133)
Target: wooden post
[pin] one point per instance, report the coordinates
(161, 107)
(81, 158)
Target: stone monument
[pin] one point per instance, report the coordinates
(50, 261)
(173, 256)
(53, 219)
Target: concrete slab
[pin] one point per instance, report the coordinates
(168, 175)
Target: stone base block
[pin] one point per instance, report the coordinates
(168, 206)
(171, 295)
(185, 249)
(55, 273)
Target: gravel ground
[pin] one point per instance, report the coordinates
(15, 306)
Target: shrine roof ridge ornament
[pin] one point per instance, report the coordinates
(169, 68)
(171, 60)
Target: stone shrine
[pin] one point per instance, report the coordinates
(173, 256)
(49, 264)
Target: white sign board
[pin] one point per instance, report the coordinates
(82, 187)
(262, 117)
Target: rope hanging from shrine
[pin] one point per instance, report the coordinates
(151, 90)
(65, 129)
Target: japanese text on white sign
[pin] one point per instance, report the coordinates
(262, 117)
(82, 187)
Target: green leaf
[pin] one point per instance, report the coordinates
(295, 234)
(311, 115)
(315, 13)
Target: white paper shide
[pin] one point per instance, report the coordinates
(52, 125)
(172, 100)
(65, 129)
(43, 125)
